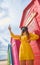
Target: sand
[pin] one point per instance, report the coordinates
(4, 62)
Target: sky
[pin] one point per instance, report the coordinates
(10, 13)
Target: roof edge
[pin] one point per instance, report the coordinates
(25, 10)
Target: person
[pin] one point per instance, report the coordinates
(25, 51)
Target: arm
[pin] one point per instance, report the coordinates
(13, 35)
(34, 36)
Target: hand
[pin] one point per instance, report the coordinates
(9, 28)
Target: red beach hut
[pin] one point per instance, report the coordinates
(31, 19)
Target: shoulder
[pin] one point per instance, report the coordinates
(31, 34)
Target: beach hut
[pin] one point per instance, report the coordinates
(9, 55)
(31, 19)
(14, 45)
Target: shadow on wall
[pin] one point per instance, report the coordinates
(39, 1)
